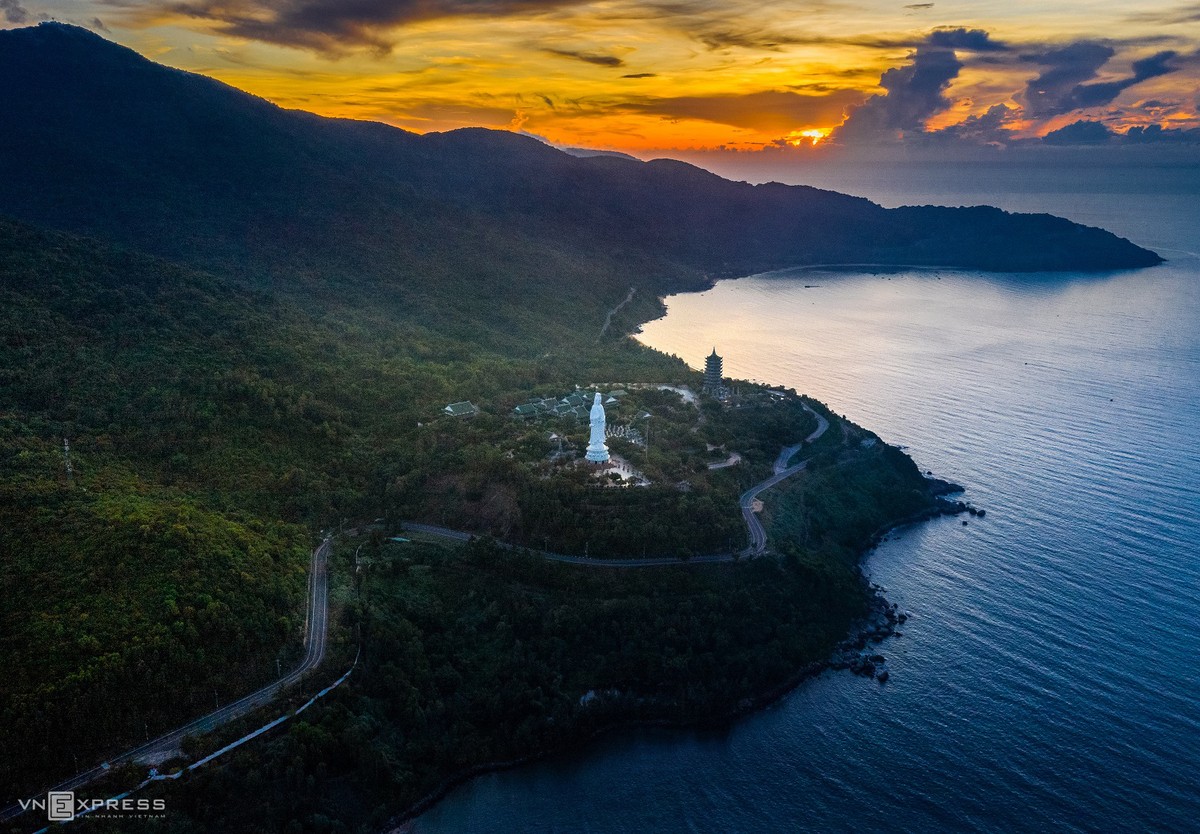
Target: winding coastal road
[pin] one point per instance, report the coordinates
(316, 628)
(758, 535)
(614, 311)
(316, 623)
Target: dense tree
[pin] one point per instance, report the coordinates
(213, 429)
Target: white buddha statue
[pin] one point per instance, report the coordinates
(597, 449)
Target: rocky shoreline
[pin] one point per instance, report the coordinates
(879, 623)
(852, 654)
(857, 653)
(942, 505)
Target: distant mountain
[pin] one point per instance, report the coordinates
(101, 141)
(586, 152)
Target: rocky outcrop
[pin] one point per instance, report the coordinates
(853, 653)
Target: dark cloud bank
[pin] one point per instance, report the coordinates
(1061, 87)
(338, 25)
(13, 11)
(1066, 83)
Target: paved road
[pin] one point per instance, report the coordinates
(316, 627)
(785, 456)
(758, 536)
(615, 310)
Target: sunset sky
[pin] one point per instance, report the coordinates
(646, 76)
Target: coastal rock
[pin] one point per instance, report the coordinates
(951, 507)
(854, 653)
(938, 487)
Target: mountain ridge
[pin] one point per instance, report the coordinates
(106, 143)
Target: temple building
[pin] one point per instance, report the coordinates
(462, 409)
(597, 449)
(712, 372)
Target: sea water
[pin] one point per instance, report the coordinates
(1049, 677)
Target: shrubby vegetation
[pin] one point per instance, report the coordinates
(126, 611)
(843, 500)
(492, 474)
(474, 655)
(214, 429)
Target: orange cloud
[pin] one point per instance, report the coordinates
(659, 74)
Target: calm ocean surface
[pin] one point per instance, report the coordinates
(1049, 679)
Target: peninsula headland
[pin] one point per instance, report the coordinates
(229, 333)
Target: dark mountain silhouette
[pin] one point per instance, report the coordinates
(101, 141)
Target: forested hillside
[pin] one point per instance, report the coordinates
(454, 230)
(212, 429)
